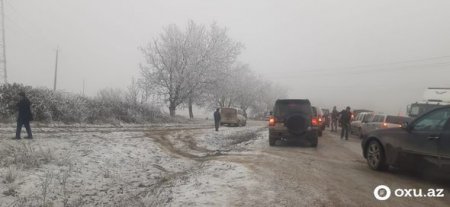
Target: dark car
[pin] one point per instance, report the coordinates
(423, 142)
(292, 119)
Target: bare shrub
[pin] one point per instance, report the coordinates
(63, 178)
(11, 174)
(24, 154)
(46, 181)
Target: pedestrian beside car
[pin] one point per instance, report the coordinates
(217, 119)
(345, 118)
(334, 119)
(24, 116)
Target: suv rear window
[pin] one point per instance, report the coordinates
(228, 111)
(283, 107)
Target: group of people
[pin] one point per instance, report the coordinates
(344, 118)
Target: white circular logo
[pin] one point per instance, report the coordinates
(382, 192)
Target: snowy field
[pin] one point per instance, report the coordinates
(126, 165)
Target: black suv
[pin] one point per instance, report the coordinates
(292, 120)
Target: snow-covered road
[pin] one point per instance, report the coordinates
(190, 165)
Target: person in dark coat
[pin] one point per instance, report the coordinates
(217, 119)
(334, 119)
(24, 117)
(345, 118)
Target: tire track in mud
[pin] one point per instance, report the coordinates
(188, 148)
(163, 138)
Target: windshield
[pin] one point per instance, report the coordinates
(283, 108)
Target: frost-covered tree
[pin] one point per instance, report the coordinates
(180, 64)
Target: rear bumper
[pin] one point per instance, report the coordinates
(312, 132)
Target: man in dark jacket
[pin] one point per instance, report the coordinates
(334, 119)
(25, 116)
(345, 118)
(217, 119)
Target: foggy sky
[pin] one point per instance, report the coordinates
(379, 54)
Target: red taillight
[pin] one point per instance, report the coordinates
(272, 121)
(314, 122)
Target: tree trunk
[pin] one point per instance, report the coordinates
(191, 113)
(172, 109)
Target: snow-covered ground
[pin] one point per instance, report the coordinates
(125, 165)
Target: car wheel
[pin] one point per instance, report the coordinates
(376, 158)
(314, 141)
(320, 133)
(272, 140)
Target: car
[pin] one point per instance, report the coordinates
(232, 117)
(293, 119)
(318, 115)
(379, 121)
(358, 111)
(423, 142)
(360, 119)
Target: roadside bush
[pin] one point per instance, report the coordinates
(108, 106)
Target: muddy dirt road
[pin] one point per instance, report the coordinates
(192, 165)
(334, 174)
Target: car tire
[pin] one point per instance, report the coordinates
(376, 157)
(272, 140)
(319, 133)
(314, 141)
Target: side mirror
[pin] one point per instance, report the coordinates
(405, 125)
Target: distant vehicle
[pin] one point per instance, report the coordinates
(318, 114)
(267, 116)
(232, 117)
(360, 119)
(327, 117)
(423, 142)
(357, 111)
(433, 98)
(383, 121)
(292, 119)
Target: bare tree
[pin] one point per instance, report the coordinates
(181, 63)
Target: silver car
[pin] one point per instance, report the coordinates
(360, 119)
(383, 121)
(232, 117)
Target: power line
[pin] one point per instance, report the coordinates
(429, 67)
(359, 67)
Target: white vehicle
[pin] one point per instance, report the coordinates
(359, 120)
(383, 121)
(433, 98)
(232, 117)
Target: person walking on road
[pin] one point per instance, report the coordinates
(334, 119)
(345, 118)
(217, 119)
(24, 117)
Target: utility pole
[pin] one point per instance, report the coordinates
(56, 69)
(3, 73)
(83, 86)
